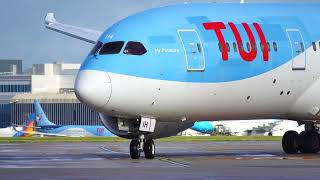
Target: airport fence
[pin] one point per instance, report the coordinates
(58, 113)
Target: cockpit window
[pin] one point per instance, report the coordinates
(96, 48)
(135, 48)
(111, 47)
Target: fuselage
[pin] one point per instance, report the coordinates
(73, 130)
(190, 65)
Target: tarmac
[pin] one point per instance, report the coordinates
(174, 160)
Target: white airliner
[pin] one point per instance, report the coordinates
(155, 73)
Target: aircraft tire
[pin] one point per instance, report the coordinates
(301, 143)
(134, 149)
(309, 142)
(149, 149)
(290, 142)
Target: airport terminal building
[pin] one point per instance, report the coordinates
(51, 84)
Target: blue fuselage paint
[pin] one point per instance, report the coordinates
(158, 30)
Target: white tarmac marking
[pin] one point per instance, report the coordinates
(111, 151)
(168, 147)
(9, 151)
(174, 162)
(92, 159)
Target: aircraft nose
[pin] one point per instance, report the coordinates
(93, 88)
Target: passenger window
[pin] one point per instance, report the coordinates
(251, 47)
(111, 47)
(255, 46)
(241, 47)
(269, 48)
(220, 47)
(275, 47)
(261, 47)
(135, 48)
(248, 46)
(235, 47)
(228, 47)
(314, 46)
(96, 48)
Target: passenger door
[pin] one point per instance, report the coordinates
(298, 49)
(193, 49)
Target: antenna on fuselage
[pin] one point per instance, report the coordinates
(242, 2)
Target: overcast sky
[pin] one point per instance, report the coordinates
(24, 36)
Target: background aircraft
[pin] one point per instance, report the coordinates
(30, 129)
(38, 124)
(204, 127)
(46, 126)
(205, 61)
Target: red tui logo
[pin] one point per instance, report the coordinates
(217, 27)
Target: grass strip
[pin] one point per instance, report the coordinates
(220, 138)
(117, 139)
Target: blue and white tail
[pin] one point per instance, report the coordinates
(41, 117)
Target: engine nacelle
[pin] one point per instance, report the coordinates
(130, 128)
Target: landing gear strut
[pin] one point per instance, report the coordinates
(137, 146)
(307, 141)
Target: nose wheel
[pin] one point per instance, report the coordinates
(149, 149)
(137, 146)
(135, 149)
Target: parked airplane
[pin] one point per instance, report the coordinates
(40, 126)
(30, 129)
(283, 126)
(204, 127)
(46, 126)
(155, 73)
(7, 132)
(246, 127)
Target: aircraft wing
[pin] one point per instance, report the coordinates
(83, 34)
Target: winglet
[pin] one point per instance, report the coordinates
(83, 34)
(50, 19)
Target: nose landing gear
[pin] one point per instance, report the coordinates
(137, 146)
(307, 141)
(135, 149)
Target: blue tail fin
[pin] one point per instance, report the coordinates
(41, 117)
